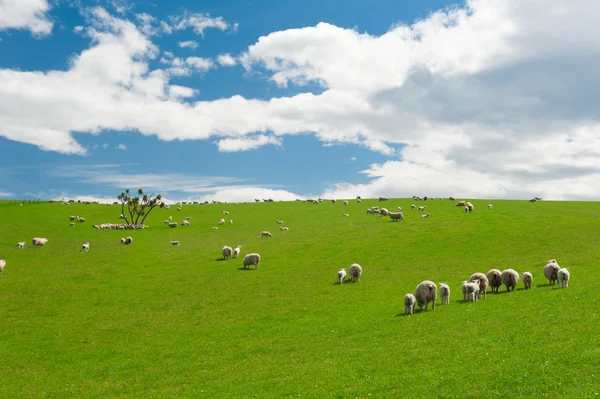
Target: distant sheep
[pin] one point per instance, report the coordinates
(39, 242)
(333, 201)
(71, 217)
(451, 198)
(494, 279)
(426, 292)
(127, 241)
(214, 228)
(551, 271)
(283, 228)
(265, 234)
(252, 259)
(359, 201)
(341, 276)
(483, 283)
(222, 221)
(346, 214)
(527, 280)
(460, 203)
(490, 207)
(81, 220)
(230, 221)
(409, 303)
(21, 245)
(399, 209)
(2, 266)
(236, 251)
(413, 206)
(425, 216)
(85, 247)
(173, 225)
(345, 202)
(227, 252)
(280, 222)
(395, 216)
(421, 208)
(174, 243)
(509, 278)
(188, 218)
(355, 271)
(563, 278)
(369, 211)
(445, 293)
(224, 213)
(71, 224)
(185, 223)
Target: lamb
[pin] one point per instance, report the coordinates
(460, 203)
(483, 283)
(341, 275)
(252, 259)
(282, 228)
(21, 245)
(490, 207)
(227, 252)
(280, 222)
(85, 247)
(563, 278)
(466, 209)
(126, 241)
(426, 292)
(551, 271)
(265, 234)
(81, 220)
(465, 291)
(222, 221)
(471, 290)
(236, 251)
(395, 216)
(355, 272)
(2, 266)
(409, 303)
(494, 279)
(425, 216)
(527, 280)
(445, 293)
(39, 242)
(174, 243)
(509, 278)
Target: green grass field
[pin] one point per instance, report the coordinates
(155, 321)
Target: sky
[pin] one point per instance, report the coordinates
(235, 100)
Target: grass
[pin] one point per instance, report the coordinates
(154, 321)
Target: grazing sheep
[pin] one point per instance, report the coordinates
(2, 266)
(421, 208)
(369, 211)
(460, 203)
(236, 251)
(383, 198)
(384, 212)
(399, 209)
(395, 216)
(174, 243)
(214, 228)
(265, 234)
(551, 271)
(355, 272)
(409, 303)
(471, 290)
(527, 280)
(413, 206)
(345, 202)
(73, 218)
(426, 292)
(346, 214)
(470, 207)
(490, 207)
(252, 259)
(85, 247)
(483, 283)
(222, 221)
(224, 213)
(451, 198)
(280, 222)
(494, 279)
(21, 245)
(39, 242)
(445, 293)
(227, 252)
(333, 201)
(563, 276)
(71, 224)
(81, 220)
(341, 275)
(466, 209)
(425, 216)
(188, 218)
(282, 228)
(126, 241)
(230, 221)
(185, 223)
(533, 200)
(173, 225)
(509, 278)
(359, 201)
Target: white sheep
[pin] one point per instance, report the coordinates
(236, 251)
(563, 278)
(282, 228)
(345, 202)
(126, 241)
(224, 213)
(490, 207)
(71, 224)
(413, 206)
(471, 290)
(222, 221)
(359, 201)
(469, 207)
(445, 293)
(280, 222)
(174, 243)
(527, 280)
(395, 216)
(227, 252)
(494, 279)
(214, 228)
(230, 221)
(265, 234)
(426, 292)
(85, 247)
(185, 223)
(355, 271)
(73, 217)
(21, 245)
(341, 275)
(409, 303)
(509, 278)
(400, 210)
(39, 242)
(252, 259)
(551, 271)
(422, 208)
(425, 216)
(346, 214)
(2, 266)
(173, 225)
(369, 211)
(465, 291)
(483, 283)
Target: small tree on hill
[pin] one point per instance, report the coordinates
(138, 207)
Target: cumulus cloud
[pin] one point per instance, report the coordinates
(181, 91)
(6, 194)
(121, 147)
(226, 60)
(26, 14)
(246, 144)
(197, 21)
(188, 44)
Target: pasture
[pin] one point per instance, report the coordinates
(151, 320)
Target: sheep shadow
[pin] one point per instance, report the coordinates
(221, 259)
(545, 285)
(246, 268)
(345, 282)
(416, 311)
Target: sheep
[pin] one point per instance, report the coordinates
(282, 228)
(445, 293)
(471, 290)
(551, 271)
(224, 213)
(71, 224)
(533, 200)
(341, 275)
(451, 198)
(466, 209)
(265, 234)
(460, 203)
(421, 208)
(71, 218)
(490, 207)
(395, 216)
(359, 201)
(85, 247)
(227, 252)
(333, 201)
(383, 198)
(425, 216)
(399, 209)
(346, 214)
(384, 212)
(39, 242)
(188, 218)
(126, 241)
(527, 280)
(483, 283)
(494, 279)
(185, 223)
(369, 211)
(563, 278)
(509, 278)
(81, 220)
(409, 303)
(236, 251)
(21, 245)
(222, 221)
(230, 221)
(280, 222)
(179, 208)
(355, 272)
(413, 206)
(170, 218)
(2, 266)
(173, 225)
(252, 259)
(426, 292)
(469, 207)
(465, 290)
(214, 228)
(174, 243)
(345, 202)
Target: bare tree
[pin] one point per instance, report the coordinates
(138, 207)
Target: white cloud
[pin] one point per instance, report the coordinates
(121, 147)
(26, 14)
(185, 67)
(246, 144)
(6, 194)
(226, 60)
(197, 21)
(182, 92)
(188, 44)
(249, 194)
(105, 146)
(353, 158)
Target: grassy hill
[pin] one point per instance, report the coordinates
(154, 321)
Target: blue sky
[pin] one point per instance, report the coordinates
(234, 100)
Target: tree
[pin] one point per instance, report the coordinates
(138, 207)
